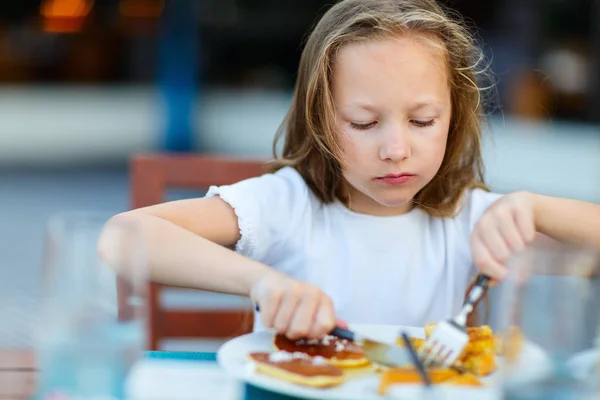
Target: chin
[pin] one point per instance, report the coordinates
(392, 201)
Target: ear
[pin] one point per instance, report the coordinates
(480, 315)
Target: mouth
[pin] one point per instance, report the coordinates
(395, 179)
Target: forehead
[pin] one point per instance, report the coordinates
(404, 69)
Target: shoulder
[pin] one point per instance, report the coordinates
(285, 181)
(278, 193)
(269, 207)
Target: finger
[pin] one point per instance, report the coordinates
(486, 262)
(324, 320)
(341, 324)
(511, 234)
(494, 242)
(304, 316)
(284, 313)
(525, 224)
(269, 307)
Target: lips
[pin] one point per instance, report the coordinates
(395, 179)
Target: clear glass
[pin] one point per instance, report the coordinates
(93, 320)
(552, 300)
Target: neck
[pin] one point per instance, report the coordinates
(362, 204)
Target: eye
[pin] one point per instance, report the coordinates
(363, 127)
(423, 124)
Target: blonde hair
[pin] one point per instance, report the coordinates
(311, 144)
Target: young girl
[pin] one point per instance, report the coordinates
(376, 211)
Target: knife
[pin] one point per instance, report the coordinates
(418, 364)
(375, 351)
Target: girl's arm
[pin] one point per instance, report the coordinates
(566, 220)
(186, 245)
(511, 223)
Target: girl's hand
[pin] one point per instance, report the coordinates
(506, 227)
(292, 307)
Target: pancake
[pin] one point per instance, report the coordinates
(338, 352)
(298, 368)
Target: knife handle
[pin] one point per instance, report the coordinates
(337, 331)
(343, 334)
(478, 290)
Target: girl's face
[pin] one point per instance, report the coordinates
(392, 100)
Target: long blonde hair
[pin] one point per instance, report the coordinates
(311, 144)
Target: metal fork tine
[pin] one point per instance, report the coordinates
(445, 358)
(432, 356)
(425, 349)
(450, 337)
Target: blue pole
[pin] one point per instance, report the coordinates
(177, 73)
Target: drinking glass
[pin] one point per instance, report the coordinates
(93, 318)
(550, 321)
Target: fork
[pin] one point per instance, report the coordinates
(449, 338)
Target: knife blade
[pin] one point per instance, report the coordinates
(375, 351)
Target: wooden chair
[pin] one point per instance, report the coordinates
(151, 176)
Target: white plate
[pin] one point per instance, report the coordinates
(233, 358)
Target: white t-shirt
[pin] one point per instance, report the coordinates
(410, 269)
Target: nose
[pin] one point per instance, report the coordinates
(395, 146)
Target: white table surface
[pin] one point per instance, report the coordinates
(154, 379)
(163, 379)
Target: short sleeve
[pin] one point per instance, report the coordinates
(268, 209)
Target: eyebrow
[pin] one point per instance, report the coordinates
(365, 106)
(424, 104)
(417, 106)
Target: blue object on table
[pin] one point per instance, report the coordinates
(250, 392)
(177, 73)
(182, 355)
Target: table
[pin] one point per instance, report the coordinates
(249, 392)
(18, 373)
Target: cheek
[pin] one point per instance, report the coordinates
(354, 150)
(438, 144)
(432, 152)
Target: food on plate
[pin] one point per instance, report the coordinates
(509, 344)
(478, 357)
(298, 368)
(338, 352)
(465, 379)
(475, 332)
(330, 361)
(416, 342)
(479, 346)
(407, 375)
(479, 364)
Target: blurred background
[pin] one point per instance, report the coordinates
(84, 84)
